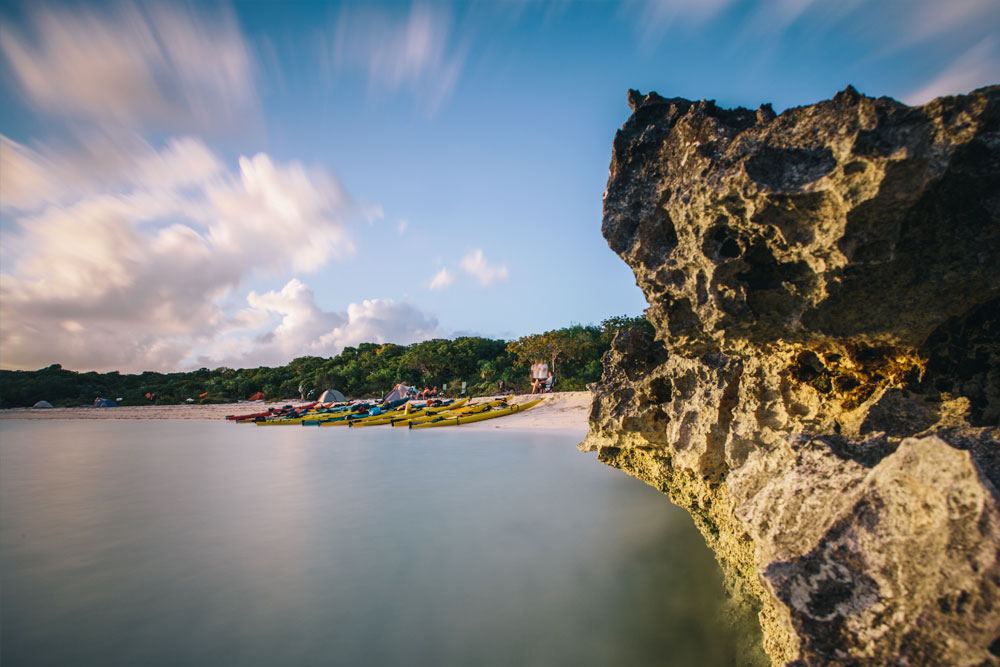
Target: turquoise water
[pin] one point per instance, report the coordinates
(197, 543)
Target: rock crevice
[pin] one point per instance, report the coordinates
(823, 390)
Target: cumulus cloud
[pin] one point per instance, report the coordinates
(441, 280)
(281, 325)
(276, 216)
(162, 65)
(400, 52)
(476, 265)
(139, 273)
(381, 321)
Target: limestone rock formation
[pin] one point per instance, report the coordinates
(823, 392)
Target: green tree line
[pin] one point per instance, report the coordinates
(368, 370)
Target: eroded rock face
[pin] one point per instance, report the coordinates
(823, 393)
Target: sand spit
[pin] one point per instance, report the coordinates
(559, 411)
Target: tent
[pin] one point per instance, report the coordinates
(259, 396)
(400, 391)
(332, 396)
(104, 403)
(42, 404)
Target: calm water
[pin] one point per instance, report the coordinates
(201, 543)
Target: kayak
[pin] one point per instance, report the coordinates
(363, 418)
(280, 422)
(403, 415)
(380, 418)
(271, 412)
(251, 417)
(310, 415)
(351, 415)
(463, 410)
(354, 411)
(479, 416)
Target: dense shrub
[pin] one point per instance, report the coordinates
(369, 370)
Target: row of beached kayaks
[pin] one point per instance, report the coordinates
(430, 414)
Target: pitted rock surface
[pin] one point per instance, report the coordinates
(823, 391)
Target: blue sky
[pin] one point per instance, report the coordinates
(186, 185)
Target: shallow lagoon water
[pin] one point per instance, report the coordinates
(190, 543)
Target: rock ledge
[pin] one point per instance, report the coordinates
(823, 391)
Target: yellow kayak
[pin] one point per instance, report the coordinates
(398, 415)
(387, 417)
(451, 406)
(366, 418)
(384, 418)
(452, 411)
(479, 416)
(306, 416)
(282, 422)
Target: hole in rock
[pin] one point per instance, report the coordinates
(807, 366)
(730, 249)
(722, 243)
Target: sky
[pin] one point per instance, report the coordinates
(188, 185)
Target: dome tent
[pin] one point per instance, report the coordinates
(332, 396)
(104, 403)
(42, 404)
(399, 393)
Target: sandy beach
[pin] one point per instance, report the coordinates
(559, 411)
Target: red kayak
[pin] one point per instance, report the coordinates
(271, 412)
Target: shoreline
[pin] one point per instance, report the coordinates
(562, 411)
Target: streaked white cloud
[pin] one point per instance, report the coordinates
(657, 20)
(162, 65)
(476, 265)
(142, 272)
(656, 16)
(977, 67)
(402, 225)
(396, 52)
(441, 280)
(950, 25)
(24, 179)
(102, 162)
(926, 20)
